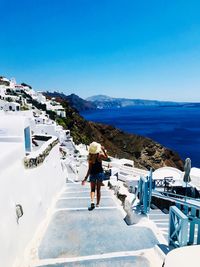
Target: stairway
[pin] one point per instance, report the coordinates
(78, 237)
(161, 220)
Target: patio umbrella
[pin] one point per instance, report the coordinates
(187, 168)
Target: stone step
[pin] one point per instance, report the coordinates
(76, 236)
(74, 233)
(78, 202)
(79, 185)
(161, 220)
(81, 189)
(158, 212)
(128, 261)
(76, 184)
(83, 194)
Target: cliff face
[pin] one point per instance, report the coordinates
(143, 151)
(74, 101)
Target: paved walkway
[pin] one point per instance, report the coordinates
(78, 237)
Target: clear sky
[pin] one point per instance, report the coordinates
(146, 49)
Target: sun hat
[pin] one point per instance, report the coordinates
(94, 148)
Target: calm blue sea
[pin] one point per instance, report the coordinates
(177, 128)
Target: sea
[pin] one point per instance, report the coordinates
(177, 128)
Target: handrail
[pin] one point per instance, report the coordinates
(178, 195)
(164, 195)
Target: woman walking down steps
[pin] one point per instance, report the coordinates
(95, 173)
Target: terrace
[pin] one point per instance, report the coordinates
(41, 151)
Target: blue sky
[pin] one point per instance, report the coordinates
(146, 49)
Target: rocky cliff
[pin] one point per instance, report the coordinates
(145, 152)
(74, 101)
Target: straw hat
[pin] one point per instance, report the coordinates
(94, 148)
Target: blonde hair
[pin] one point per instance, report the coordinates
(93, 157)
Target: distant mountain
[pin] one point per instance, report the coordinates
(100, 98)
(74, 101)
(106, 102)
(79, 103)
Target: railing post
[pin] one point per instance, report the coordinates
(198, 234)
(150, 187)
(192, 226)
(140, 190)
(145, 192)
(145, 197)
(178, 227)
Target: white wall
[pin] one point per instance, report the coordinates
(164, 172)
(25, 113)
(2, 91)
(10, 153)
(41, 98)
(44, 129)
(61, 113)
(34, 190)
(2, 104)
(11, 106)
(195, 177)
(13, 125)
(12, 129)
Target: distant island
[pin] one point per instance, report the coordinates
(107, 102)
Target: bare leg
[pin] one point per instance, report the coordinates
(92, 191)
(98, 192)
(92, 194)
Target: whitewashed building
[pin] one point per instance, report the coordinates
(41, 98)
(9, 106)
(28, 191)
(56, 107)
(2, 91)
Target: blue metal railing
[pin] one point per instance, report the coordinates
(184, 217)
(178, 199)
(175, 196)
(179, 234)
(193, 214)
(178, 227)
(189, 235)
